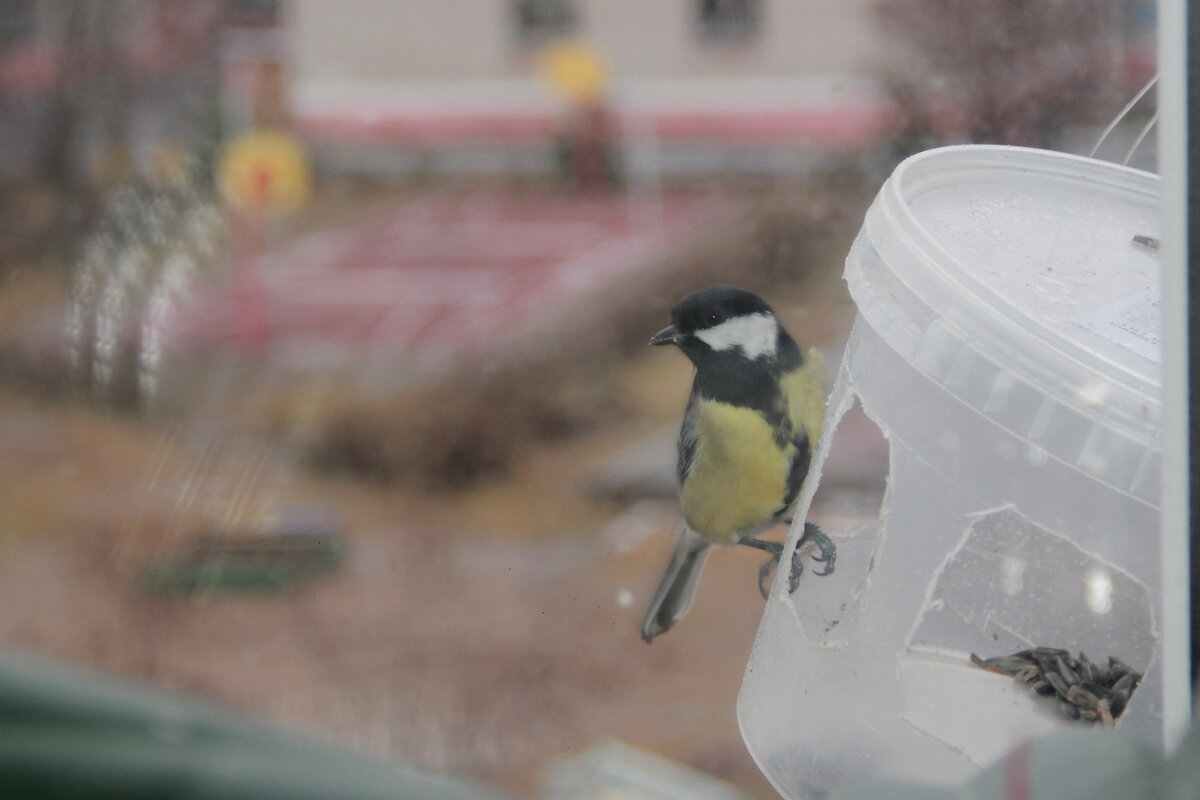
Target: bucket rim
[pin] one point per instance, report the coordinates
(941, 284)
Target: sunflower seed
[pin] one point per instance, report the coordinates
(1069, 675)
(1051, 651)
(1087, 692)
(1117, 702)
(1087, 671)
(1027, 673)
(1148, 242)
(1125, 684)
(1081, 697)
(1045, 662)
(1055, 680)
(1118, 668)
(1008, 664)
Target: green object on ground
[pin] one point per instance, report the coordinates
(247, 564)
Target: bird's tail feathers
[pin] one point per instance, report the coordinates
(677, 589)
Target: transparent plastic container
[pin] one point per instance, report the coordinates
(1006, 345)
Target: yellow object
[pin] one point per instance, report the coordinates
(742, 478)
(575, 70)
(739, 475)
(265, 171)
(752, 421)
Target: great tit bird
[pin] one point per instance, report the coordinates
(753, 417)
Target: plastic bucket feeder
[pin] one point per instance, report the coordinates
(1006, 345)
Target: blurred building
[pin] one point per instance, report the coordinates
(696, 85)
(426, 87)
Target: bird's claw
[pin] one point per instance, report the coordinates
(828, 554)
(793, 577)
(763, 574)
(797, 569)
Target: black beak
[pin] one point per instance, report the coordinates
(668, 335)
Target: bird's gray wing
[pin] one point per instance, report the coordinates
(689, 440)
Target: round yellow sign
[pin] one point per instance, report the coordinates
(265, 171)
(574, 69)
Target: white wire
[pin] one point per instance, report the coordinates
(1120, 116)
(1136, 142)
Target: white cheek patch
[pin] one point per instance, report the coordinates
(756, 334)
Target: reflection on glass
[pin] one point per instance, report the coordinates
(1098, 594)
(1011, 570)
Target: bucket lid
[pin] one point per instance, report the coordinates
(1030, 257)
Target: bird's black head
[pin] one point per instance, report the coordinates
(722, 319)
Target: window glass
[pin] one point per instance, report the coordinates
(327, 393)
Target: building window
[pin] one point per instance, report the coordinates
(729, 20)
(252, 13)
(538, 21)
(18, 22)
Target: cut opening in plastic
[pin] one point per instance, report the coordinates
(1009, 586)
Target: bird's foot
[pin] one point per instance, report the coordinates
(813, 534)
(764, 572)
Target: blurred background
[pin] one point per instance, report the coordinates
(323, 380)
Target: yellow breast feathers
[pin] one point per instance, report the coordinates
(804, 389)
(739, 476)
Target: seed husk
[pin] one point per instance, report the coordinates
(1007, 664)
(1087, 670)
(1068, 710)
(1118, 668)
(1087, 691)
(1064, 669)
(1124, 684)
(1081, 697)
(1051, 651)
(1027, 673)
(1106, 715)
(1060, 685)
(1117, 702)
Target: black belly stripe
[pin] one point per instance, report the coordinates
(799, 471)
